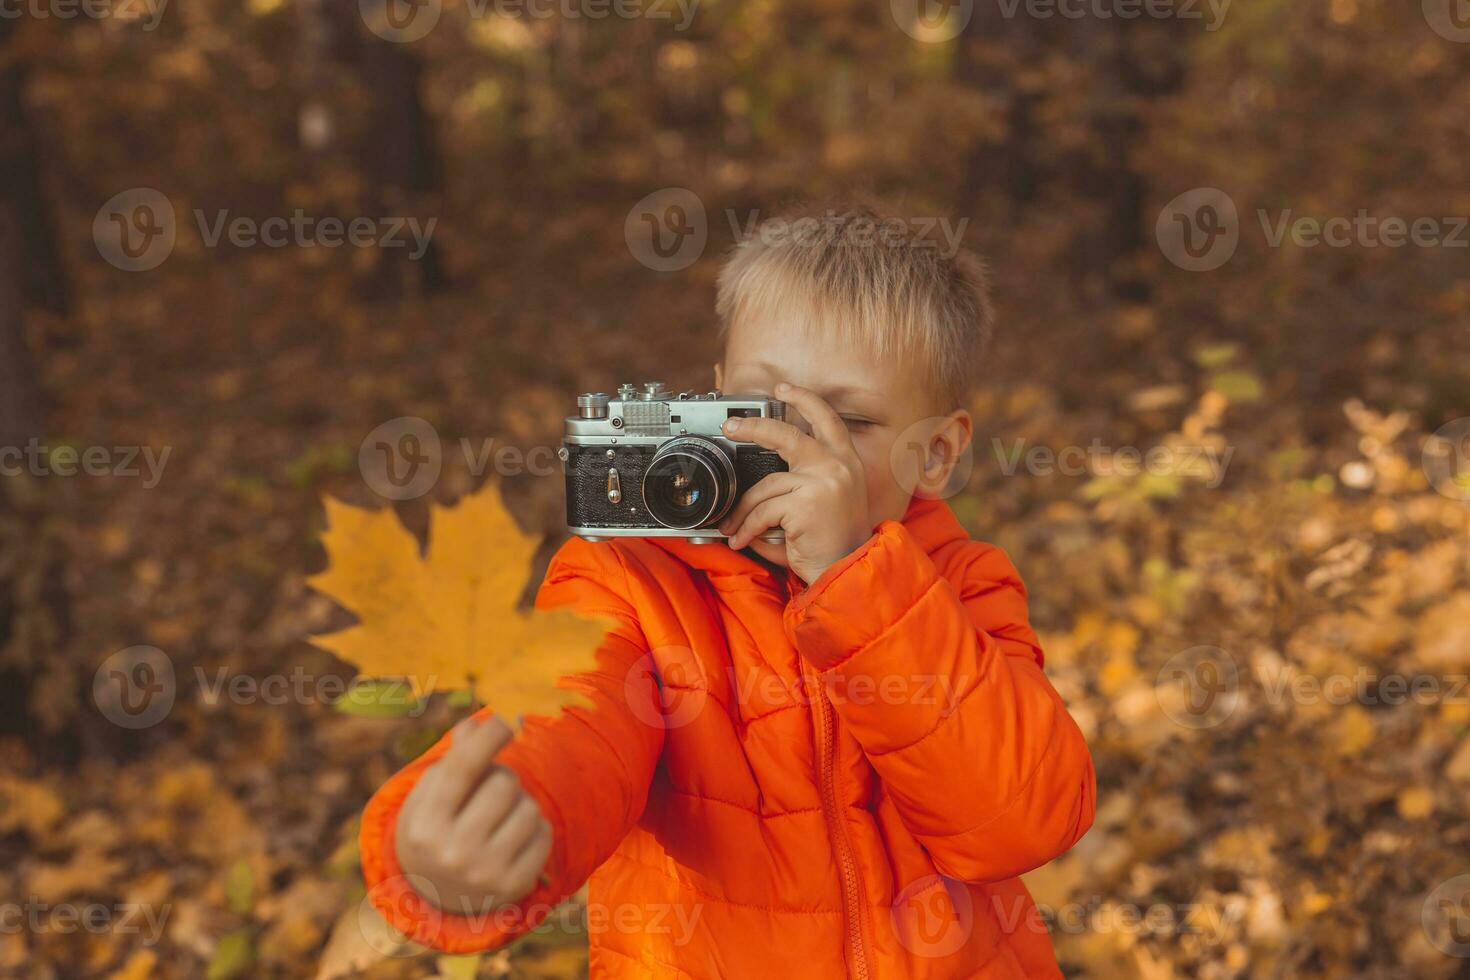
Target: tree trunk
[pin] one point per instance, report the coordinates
(1008, 169)
(41, 688)
(389, 137)
(398, 154)
(41, 277)
(1137, 64)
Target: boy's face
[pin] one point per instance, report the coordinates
(903, 445)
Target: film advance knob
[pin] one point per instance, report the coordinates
(592, 405)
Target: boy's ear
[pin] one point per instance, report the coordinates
(946, 454)
(719, 376)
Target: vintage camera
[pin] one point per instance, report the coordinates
(649, 463)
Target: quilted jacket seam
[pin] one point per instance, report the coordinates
(1025, 787)
(624, 596)
(722, 901)
(763, 814)
(641, 961)
(944, 718)
(933, 584)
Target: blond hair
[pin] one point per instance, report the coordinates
(876, 278)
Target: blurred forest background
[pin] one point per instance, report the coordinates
(1305, 836)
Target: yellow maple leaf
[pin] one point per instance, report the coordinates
(450, 618)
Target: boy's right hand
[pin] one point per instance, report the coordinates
(470, 829)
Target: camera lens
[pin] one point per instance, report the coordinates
(689, 483)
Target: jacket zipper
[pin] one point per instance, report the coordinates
(852, 887)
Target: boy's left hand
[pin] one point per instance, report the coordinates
(821, 502)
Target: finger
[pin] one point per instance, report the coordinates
(516, 830)
(826, 424)
(765, 516)
(489, 804)
(529, 864)
(764, 489)
(425, 824)
(791, 443)
(415, 796)
(471, 754)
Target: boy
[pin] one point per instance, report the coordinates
(824, 758)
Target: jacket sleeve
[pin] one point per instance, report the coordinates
(941, 685)
(589, 769)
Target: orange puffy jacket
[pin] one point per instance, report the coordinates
(838, 781)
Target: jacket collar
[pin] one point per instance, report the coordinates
(930, 522)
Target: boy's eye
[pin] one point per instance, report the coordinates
(856, 423)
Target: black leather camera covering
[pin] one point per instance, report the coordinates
(587, 466)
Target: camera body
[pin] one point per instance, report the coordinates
(647, 462)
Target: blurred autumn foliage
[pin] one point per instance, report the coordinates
(1293, 834)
